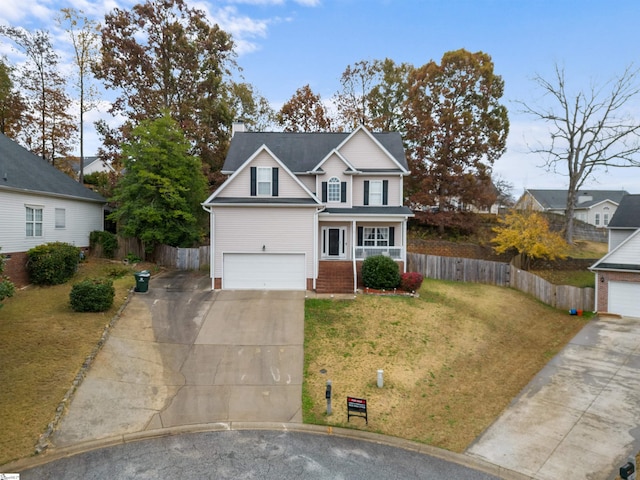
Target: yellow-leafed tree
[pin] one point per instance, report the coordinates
(528, 233)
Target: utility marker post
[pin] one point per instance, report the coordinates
(328, 395)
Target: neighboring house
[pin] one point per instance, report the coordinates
(595, 207)
(302, 210)
(40, 204)
(92, 165)
(618, 272)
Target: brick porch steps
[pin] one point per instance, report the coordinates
(335, 276)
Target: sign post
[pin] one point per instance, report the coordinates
(357, 407)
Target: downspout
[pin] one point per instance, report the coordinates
(404, 243)
(353, 255)
(316, 266)
(212, 220)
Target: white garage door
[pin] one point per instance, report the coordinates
(624, 298)
(263, 271)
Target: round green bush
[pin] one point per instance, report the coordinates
(380, 272)
(92, 295)
(52, 263)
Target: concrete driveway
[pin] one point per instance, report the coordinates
(579, 417)
(183, 355)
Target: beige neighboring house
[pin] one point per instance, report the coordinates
(301, 211)
(595, 207)
(92, 165)
(618, 272)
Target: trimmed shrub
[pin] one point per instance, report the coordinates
(380, 272)
(107, 240)
(92, 295)
(52, 263)
(411, 281)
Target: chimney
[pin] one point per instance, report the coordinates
(584, 197)
(237, 127)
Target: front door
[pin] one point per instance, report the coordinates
(333, 242)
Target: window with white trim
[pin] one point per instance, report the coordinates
(376, 236)
(606, 219)
(61, 218)
(597, 222)
(34, 221)
(333, 190)
(264, 178)
(375, 192)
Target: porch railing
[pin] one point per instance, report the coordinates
(394, 252)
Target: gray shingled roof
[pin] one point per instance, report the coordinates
(627, 214)
(301, 152)
(24, 171)
(557, 199)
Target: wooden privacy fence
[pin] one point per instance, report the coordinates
(182, 258)
(564, 297)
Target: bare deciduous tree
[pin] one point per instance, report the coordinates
(589, 131)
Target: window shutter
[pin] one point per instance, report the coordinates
(343, 192)
(324, 192)
(360, 236)
(392, 236)
(366, 192)
(253, 181)
(274, 182)
(385, 192)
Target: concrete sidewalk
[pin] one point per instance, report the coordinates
(183, 355)
(580, 416)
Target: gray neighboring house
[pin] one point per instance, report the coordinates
(40, 204)
(595, 207)
(618, 272)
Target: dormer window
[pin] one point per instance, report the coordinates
(264, 182)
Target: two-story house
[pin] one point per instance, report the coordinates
(301, 211)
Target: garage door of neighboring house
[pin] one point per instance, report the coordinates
(624, 298)
(263, 271)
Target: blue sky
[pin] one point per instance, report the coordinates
(285, 44)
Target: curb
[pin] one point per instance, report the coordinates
(53, 454)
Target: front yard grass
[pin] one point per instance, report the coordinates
(43, 344)
(453, 358)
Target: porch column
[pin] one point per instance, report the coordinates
(354, 240)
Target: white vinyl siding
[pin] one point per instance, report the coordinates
(623, 298)
(81, 219)
(617, 236)
(240, 187)
(362, 152)
(629, 253)
(263, 230)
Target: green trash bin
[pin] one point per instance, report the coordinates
(142, 281)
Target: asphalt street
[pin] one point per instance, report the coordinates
(263, 455)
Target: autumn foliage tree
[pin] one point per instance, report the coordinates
(12, 105)
(456, 129)
(304, 112)
(528, 234)
(166, 56)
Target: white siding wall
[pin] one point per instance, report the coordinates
(616, 237)
(241, 184)
(605, 207)
(81, 218)
(284, 230)
(395, 185)
(629, 253)
(362, 152)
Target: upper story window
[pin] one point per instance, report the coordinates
(34, 221)
(376, 192)
(333, 190)
(264, 181)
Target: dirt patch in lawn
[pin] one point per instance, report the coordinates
(453, 358)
